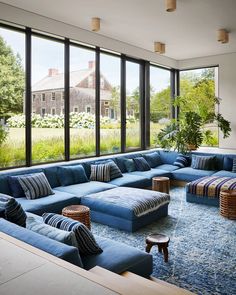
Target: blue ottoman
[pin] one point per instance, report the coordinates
(127, 208)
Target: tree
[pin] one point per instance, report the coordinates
(160, 104)
(11, 81)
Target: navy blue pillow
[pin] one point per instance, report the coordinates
(153, 159)
(228, 164)
(141, 164)
(15, 187)
(72, 175)
(181, 161)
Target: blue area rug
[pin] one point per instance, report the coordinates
(202, 248)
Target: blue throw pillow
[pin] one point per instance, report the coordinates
(114, 169)
(129, 165)
(15, 187)
(153, 159)
(87, 244)
(228, 164)
(234, 166)
(203, 162)
(101, 172)
(141, 164)
(69, 175)
(121, 164)
(181, 161)
(12, 210)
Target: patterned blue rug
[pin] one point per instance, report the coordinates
(202, 248)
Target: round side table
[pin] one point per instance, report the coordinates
(161, 184)
(161, 241)
(228, 204)
(78, 212)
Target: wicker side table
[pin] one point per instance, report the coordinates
(78, 212)
(228, 204)
(161, 184)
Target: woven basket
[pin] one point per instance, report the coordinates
(78, 212)
(228, 204)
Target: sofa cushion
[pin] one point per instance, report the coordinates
(53, 203)
(52, 175)
(68, 253)
(225, 173)
(119, 257)
(228, 163)
(203, 162)
(129, 165)
(153, 159)
(131, 181)
(114, 169)
(35, 186)
(167, 167)
(71, 175)
(182, 161)
(168, 157)
(83, 189)
(13, 211)
(190, 174)
(151, 173)
(141, 164)
(101, 172)
(87, 244)
(16, 189)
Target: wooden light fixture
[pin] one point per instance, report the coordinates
(170, 5)
(223, 36)
(159, 47)
(95, 24)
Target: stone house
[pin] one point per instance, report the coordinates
(48, 93)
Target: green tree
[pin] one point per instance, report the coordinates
(160, 104)
(11, 81)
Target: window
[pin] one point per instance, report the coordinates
(33, 97)
(110, 132)
(48, 136)
(102, 83)
(160, 101)
(198, 89)
(12, 98)
(83, 99)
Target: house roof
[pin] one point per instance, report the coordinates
(104, 94)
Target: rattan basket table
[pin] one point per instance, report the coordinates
(161, 184)
(228, 204)
(78, 212)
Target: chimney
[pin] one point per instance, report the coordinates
(53, 72)
(91, 64)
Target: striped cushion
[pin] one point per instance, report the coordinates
(12, 210)
(203, 162)
(181, 161)
(86, 242)
(114, 169)
(141, 164)
(35, 186)
(100, 172)
(234, 165)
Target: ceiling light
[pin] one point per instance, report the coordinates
(170, 5)
(222, 36)
(95, 24)
(159, 47)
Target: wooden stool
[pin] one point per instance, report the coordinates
(228, 204)
(78, 212)
(161, 184)
(162, 243)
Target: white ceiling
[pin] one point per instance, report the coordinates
(188, 32)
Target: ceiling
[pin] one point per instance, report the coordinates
(188, 32)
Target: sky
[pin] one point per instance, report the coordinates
(49, 54)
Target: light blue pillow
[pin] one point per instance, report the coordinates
(153, 159)
(72, 175)
(129, 165)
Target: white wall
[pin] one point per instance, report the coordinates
(227, 89)
(35, 21)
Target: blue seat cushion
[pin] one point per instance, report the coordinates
(190, 174)
(83, 189)
(72, 175)
(167, 167)
(118, 257)
(53, 203)
(153, 159)
(68, 253)
(131, 181)
(151, 173)
(225, 173)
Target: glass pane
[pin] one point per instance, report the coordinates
(47, 100)
(82, 102)
(110, 104)
(160, 101)
(133, 135)
(12, 98)
(198, 89)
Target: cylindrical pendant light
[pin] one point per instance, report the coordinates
(159, 47)
(95, 24)
(170, 5)
(223, 36)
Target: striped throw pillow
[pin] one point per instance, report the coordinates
(141, 164)
(87, 244)
(100, 172)
(203, 162)
(12, 210)
(181, 161)
(114, 169)
(234, 165)
(35, 186)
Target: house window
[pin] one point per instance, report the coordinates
(88, 109)
(76, 110)
(43, 97)
(106, 103)
(112, 114)
(53, 96)
(43, 112)
(53, 111)
(107, 112)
